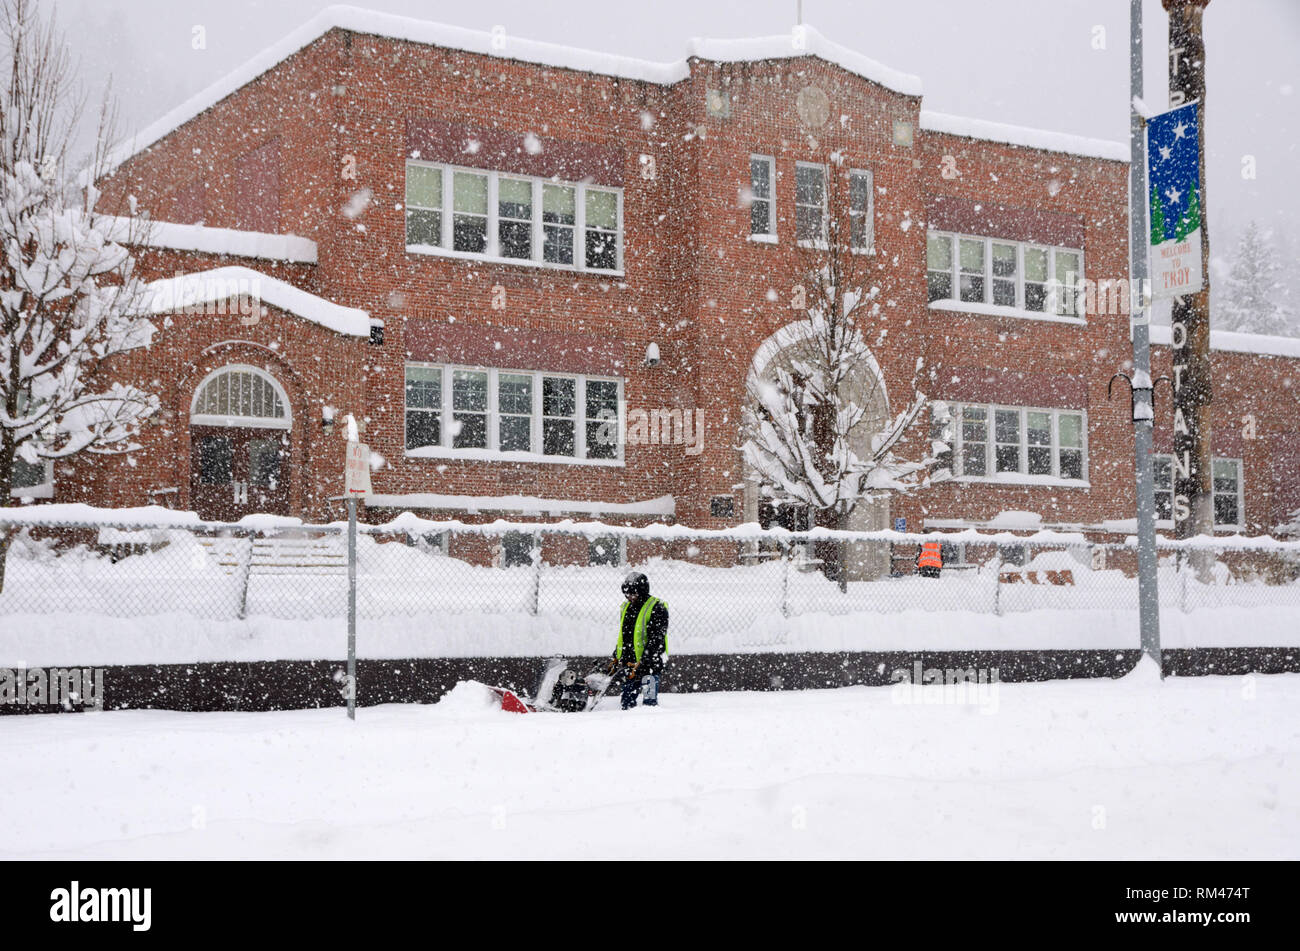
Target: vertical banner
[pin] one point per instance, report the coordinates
(1174, 196)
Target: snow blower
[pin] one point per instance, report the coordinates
(560, 689)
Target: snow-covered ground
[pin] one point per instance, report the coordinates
(1204, 767)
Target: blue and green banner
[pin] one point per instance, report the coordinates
(1174, 196)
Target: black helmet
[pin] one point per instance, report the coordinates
(636, 586)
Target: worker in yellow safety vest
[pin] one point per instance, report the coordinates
(642, 648)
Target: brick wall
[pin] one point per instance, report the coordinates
(291, 149)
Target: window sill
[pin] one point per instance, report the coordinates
(493, 455)
(763, 238)
(997, 310)
(1019, 478)
(436, 252)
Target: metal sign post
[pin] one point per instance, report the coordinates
(356, 483)
(1140, 321)
(352, 607)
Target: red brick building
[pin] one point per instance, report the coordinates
(482, 247)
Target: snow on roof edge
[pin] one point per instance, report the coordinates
(188, 237)
(201, 287)
(1044, 139)
(359, 20)
(1236, 342)
(787, 46)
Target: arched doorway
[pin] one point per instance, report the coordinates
(867, 385)
(240, 425)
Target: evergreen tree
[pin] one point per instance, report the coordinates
(1194, 211)
(1252, 299)
(1157, 218)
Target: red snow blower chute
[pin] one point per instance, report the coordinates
(561, 689)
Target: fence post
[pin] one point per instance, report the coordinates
(352, 607)
(246, 569)
(1183, 565)
(786, 557)
(997, 584)
(537, 572)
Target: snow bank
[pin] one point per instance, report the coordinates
(469, 700)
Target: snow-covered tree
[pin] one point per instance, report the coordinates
(812, 430)
(1252, 298)
(69, 299)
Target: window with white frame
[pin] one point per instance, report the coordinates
(809, 202)
(938, 266)
(862, 235)
(762, 207)
(1018, 275)
(469, 405)
(1227, 482)
(509, 217)
(514, 413)
(423, 406)
(515, 218)
(1006, 442)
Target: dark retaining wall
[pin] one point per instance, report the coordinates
(292, 684)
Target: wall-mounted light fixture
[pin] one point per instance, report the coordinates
(652, 355)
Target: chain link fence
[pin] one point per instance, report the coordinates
(479, 590)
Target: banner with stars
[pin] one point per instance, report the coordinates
(1174, 196)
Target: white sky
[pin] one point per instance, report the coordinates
(1028, 62)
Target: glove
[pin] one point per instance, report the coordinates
(613, 666)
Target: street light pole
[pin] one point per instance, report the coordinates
(1139, 322)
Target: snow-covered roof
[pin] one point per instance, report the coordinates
(1023, 135)
(664, 505)
(808, 42)
(801, 41)
(1232, 341)
(244, 244)
(222, 283)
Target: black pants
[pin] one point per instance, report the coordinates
(928, 571)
